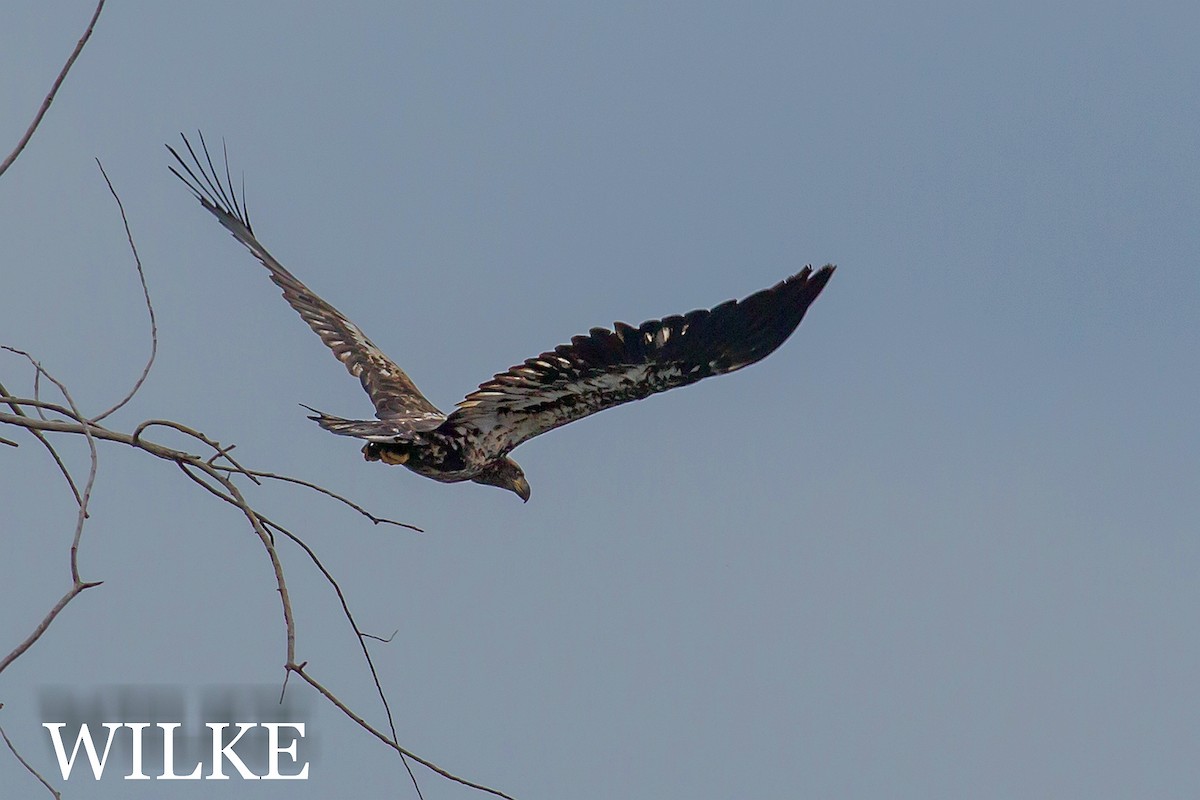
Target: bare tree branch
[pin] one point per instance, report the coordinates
(51, 417)
(27, 765)
(327, 492)
(361, 643)
(299, 669)
(78, 585)
(37, 120)
(94, 459)
(201, 472)
(145, 294)
(221, 452)
(20, 649)
(62, 468)
(191, 465)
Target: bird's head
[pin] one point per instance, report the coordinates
(506, 474)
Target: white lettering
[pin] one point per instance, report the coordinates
(85, 736)
(220, 753)
(135, 771)
(273, 750)
(169, 755)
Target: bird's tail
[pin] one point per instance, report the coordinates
(373, 430)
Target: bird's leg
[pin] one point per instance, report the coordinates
(373, 451)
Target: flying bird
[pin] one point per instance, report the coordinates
(595, 371)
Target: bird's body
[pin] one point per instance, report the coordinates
(599, 370)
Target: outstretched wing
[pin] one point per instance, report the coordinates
(404, 427)
(397, 400)
(607, 368)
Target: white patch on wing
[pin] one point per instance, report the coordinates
(508, 413)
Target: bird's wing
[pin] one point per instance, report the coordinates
(606, 368)
(395, 396)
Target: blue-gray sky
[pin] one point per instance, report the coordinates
(942, 544)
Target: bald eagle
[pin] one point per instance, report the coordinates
(595, 371)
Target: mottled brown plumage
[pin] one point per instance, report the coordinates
(593, 372)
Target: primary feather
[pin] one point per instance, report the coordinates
(606, 368)
(599, 370)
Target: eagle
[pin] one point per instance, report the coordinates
(597, 370)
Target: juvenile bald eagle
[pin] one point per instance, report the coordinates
(595, 371)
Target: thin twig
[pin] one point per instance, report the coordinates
(37, 390)
(75, 424)
(268, 542)
(20, 649)
(37, 120)
(78, 585)
(91, 480)
(387, 708)
(16, 404)
(251, 473)
(29, 767)
(145, 294)
(331, 697)
(222, 452)
(45, 443)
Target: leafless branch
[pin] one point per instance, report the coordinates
(220, 452)
(327, 492)
(222, 486)
(387, 708)
(37, 120)
(62, 468)
(299, 669)
(219, 480)
(29, 768)
(91, 479)
(78, 585)
(145, 294)
(20, 649)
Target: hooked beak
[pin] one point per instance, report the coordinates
(521, 487)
